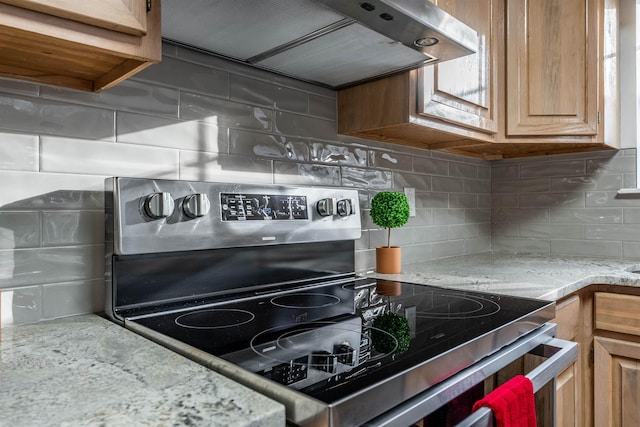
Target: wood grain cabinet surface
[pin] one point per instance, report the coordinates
(617, 360)
(569, 403)
(535, 86)
(89, 45)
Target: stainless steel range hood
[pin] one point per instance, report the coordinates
(334, 43)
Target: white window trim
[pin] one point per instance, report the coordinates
(630, 82)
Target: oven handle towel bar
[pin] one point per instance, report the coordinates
(562, 354)
(425, 403)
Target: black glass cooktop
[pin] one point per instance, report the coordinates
(324, 340)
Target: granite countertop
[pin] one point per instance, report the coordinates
(526, 275)
(85, 370)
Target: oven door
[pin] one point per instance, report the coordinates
(558, 355)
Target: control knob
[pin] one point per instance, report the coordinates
(196, 205)
(326, 207)
(346, 207)
(158, 205)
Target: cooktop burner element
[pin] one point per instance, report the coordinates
(214, 318)
(308, 300)
(452, 306)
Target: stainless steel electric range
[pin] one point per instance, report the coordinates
(257, 282)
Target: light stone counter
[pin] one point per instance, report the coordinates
(87, 371)
(526, 275)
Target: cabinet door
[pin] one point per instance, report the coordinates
(616, 382)
(552, 67)
(463, 90)
(125, 16)
(568, 401)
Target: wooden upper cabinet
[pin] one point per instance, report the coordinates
(447, 104)
(463, 90)
(126, 16)
(552, 65)
(89, 45)
(536, 85)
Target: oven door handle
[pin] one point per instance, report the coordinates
(561, 355)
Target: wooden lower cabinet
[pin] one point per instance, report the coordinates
(568, 385)
(616, 360)
(616, 382)
(568, 402)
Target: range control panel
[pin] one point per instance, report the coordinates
(252, 207)
(155, 215)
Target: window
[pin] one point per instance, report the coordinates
(629, 67)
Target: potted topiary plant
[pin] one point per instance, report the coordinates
(389, 209)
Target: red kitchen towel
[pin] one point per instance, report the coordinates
(512, 403)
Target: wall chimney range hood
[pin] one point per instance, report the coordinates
(333, 43)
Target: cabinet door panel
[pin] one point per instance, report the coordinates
(125, 16)
(462, 90)
(616, 382)
(551, 67)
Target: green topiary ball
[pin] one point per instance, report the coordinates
(395, 326)
(390, 209)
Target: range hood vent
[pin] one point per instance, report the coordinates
(334, 43)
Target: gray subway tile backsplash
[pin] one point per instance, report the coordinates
(593, 248)
(19, 230)
(551, 200)
(390, 160)
(198, 117)
(30, 191)
(581, 214)
(322, 106)
(106, 158)
(556, 231)
(537, 185)
(324, 152)
(64, 228)
(430, 166)
(63, 299)
(247, 143)
(447, 184)
(18, 152)
(221, 112)
(25, 267)
(463, 170)
(587, 215)
(552, 168)
(156, 131)
(367, 178)
(257, 92)
(304, 126)
(128, 95)
(201, 166)
(49, 117)
(305, 174)
(178, 74)
(616, 164)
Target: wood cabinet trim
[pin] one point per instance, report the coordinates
(125, 16)
(52, 50)
(617, 313)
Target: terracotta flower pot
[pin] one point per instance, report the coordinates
(388, 259)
